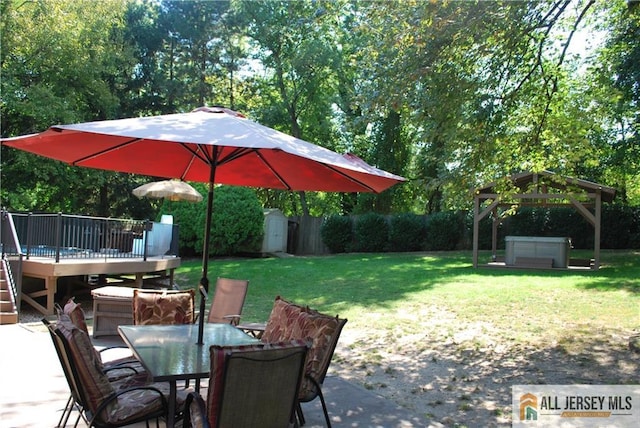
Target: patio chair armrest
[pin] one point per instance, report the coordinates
(233, 319)
(101, 352)
(195, 411)
(120, 367)
(117, 394)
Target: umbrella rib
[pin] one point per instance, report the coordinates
(236, 154)
(196, 154)
(348, 177)
(273, 171)
(79, 161)
(337, 171)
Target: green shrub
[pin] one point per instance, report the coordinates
(528, 221)
(337, 233)
(444, 230)
(237, 223)
(567, 221)
(371, 233)
(406, 232)
(620, 227)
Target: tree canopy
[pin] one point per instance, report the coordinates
(449, 94)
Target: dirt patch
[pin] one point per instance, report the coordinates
(460, 374)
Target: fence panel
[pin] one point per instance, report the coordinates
(309, 241)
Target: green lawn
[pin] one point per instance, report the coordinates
(396, 292)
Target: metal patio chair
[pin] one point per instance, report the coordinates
(228, 301)
(100, 402)
(289, 321)
(252, 386)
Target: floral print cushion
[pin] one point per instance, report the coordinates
(163, 307)
(289, 321)
(281, 320)
(76, 315)
(323, 331)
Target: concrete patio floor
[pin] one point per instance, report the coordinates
(34, 391)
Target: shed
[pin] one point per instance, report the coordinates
(543, 188)
(275, 231)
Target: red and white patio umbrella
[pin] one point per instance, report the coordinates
(210, 145)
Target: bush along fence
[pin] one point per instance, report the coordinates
(452, 230)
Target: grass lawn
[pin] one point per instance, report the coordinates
(394, 291)
(448, 341)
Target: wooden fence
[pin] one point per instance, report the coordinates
(304, 236)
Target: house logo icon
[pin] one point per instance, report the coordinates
(528, 407)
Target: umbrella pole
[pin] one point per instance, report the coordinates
(204, 281)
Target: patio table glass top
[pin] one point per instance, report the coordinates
(171, 352)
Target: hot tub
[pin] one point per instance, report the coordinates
(537, 247)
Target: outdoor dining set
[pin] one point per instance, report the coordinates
(257, 374)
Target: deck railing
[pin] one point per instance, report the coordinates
(11, 256)
(64, 236)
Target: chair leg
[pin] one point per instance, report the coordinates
(299, 414)
(324, 408)
(324, 405)
(66, 413)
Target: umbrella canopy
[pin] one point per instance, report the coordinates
(188, 145)
(173, 190)
(211, 145)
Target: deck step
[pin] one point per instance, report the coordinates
(8, 318)
(6, 306)
(8, 310)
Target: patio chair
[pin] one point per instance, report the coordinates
(115, 368)
(252, 386)
(289, 321)
(102, 403)
(228, 300)
(163, 307)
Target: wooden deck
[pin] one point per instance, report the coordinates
(49, 271)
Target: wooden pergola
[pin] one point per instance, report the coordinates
(544, 189)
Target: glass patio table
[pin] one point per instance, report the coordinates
(170, 353)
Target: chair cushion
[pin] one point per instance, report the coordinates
(115, 369)
(321, 330)
(76, 315)
(130, 406)
(289, 321)
(163, 307)
(280, 323)
(88, 365)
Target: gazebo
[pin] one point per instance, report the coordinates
(545, 189)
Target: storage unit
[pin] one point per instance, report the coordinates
(275, 231)
(537, 247)
(112, 306)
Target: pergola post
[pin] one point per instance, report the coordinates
(596, 237)
(476, 229)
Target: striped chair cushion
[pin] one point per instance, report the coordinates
(97, 388)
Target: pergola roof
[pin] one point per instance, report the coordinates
(527, 181)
